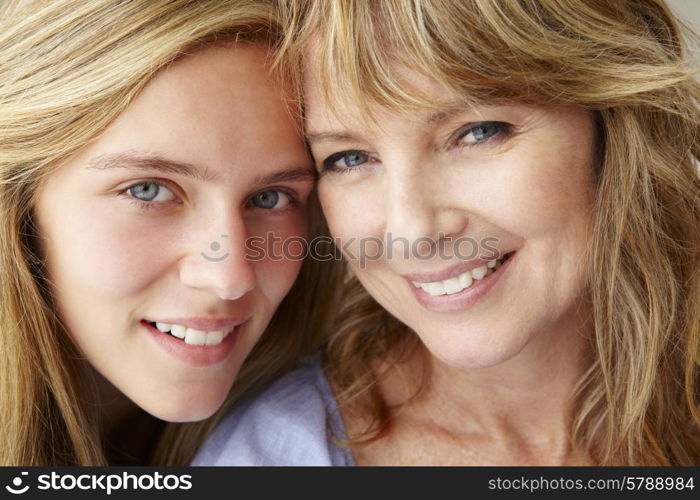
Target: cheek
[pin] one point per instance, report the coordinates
(547, 200)
(276, 277)
(353, 214)
(277, 250)
(543, 193)
(95, 249)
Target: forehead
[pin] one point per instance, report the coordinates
(215, 108)
(326, 101)
(229, 70)
(203, 98)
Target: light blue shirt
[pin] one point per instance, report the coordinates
(293, 422)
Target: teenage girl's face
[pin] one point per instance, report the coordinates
(145, 231)
(484, 213)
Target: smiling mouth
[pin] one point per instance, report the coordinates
(463, 281)
(191, 336)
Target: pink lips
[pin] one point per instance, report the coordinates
(197, 355)
(466, 298)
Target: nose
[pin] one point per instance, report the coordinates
(418, 208)
(216, 260)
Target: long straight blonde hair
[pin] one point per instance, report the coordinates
(625, 61)
(67, 69)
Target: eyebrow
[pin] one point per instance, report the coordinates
(344, 136)
(165, 165)
(297, 175)
(441, 116)
(149, 162)
(330, 136)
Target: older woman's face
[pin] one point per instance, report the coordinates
(144, 231)
(484, 214)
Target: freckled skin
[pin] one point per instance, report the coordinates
(114, 263)
(511, 360)
(531, 191)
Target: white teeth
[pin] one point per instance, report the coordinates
(214, 338)
(465, 280)
(192, 336)
(195, 337)
(436, 288)
(461, 282)
(163, 327)
(452, 286)
(479, 272)
(178, 331)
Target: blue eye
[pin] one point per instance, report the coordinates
(345, 159)
(151, 191)
(270, 200)
(481, 132)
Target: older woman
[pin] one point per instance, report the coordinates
(558, 138)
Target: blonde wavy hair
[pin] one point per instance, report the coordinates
(69, 68)
(626, 62)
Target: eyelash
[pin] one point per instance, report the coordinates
(327, 165)
(158, 205)
(503, 131)
(149, 205)
(293, 200)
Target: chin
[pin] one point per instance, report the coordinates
(183, 410)
(478, 352)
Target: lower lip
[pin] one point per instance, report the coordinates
(193, 355)
(465, 299)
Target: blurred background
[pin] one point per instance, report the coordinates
(688, 11)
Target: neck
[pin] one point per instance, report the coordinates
(525, 403)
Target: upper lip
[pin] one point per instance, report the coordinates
(204, 323)
(449, 272)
